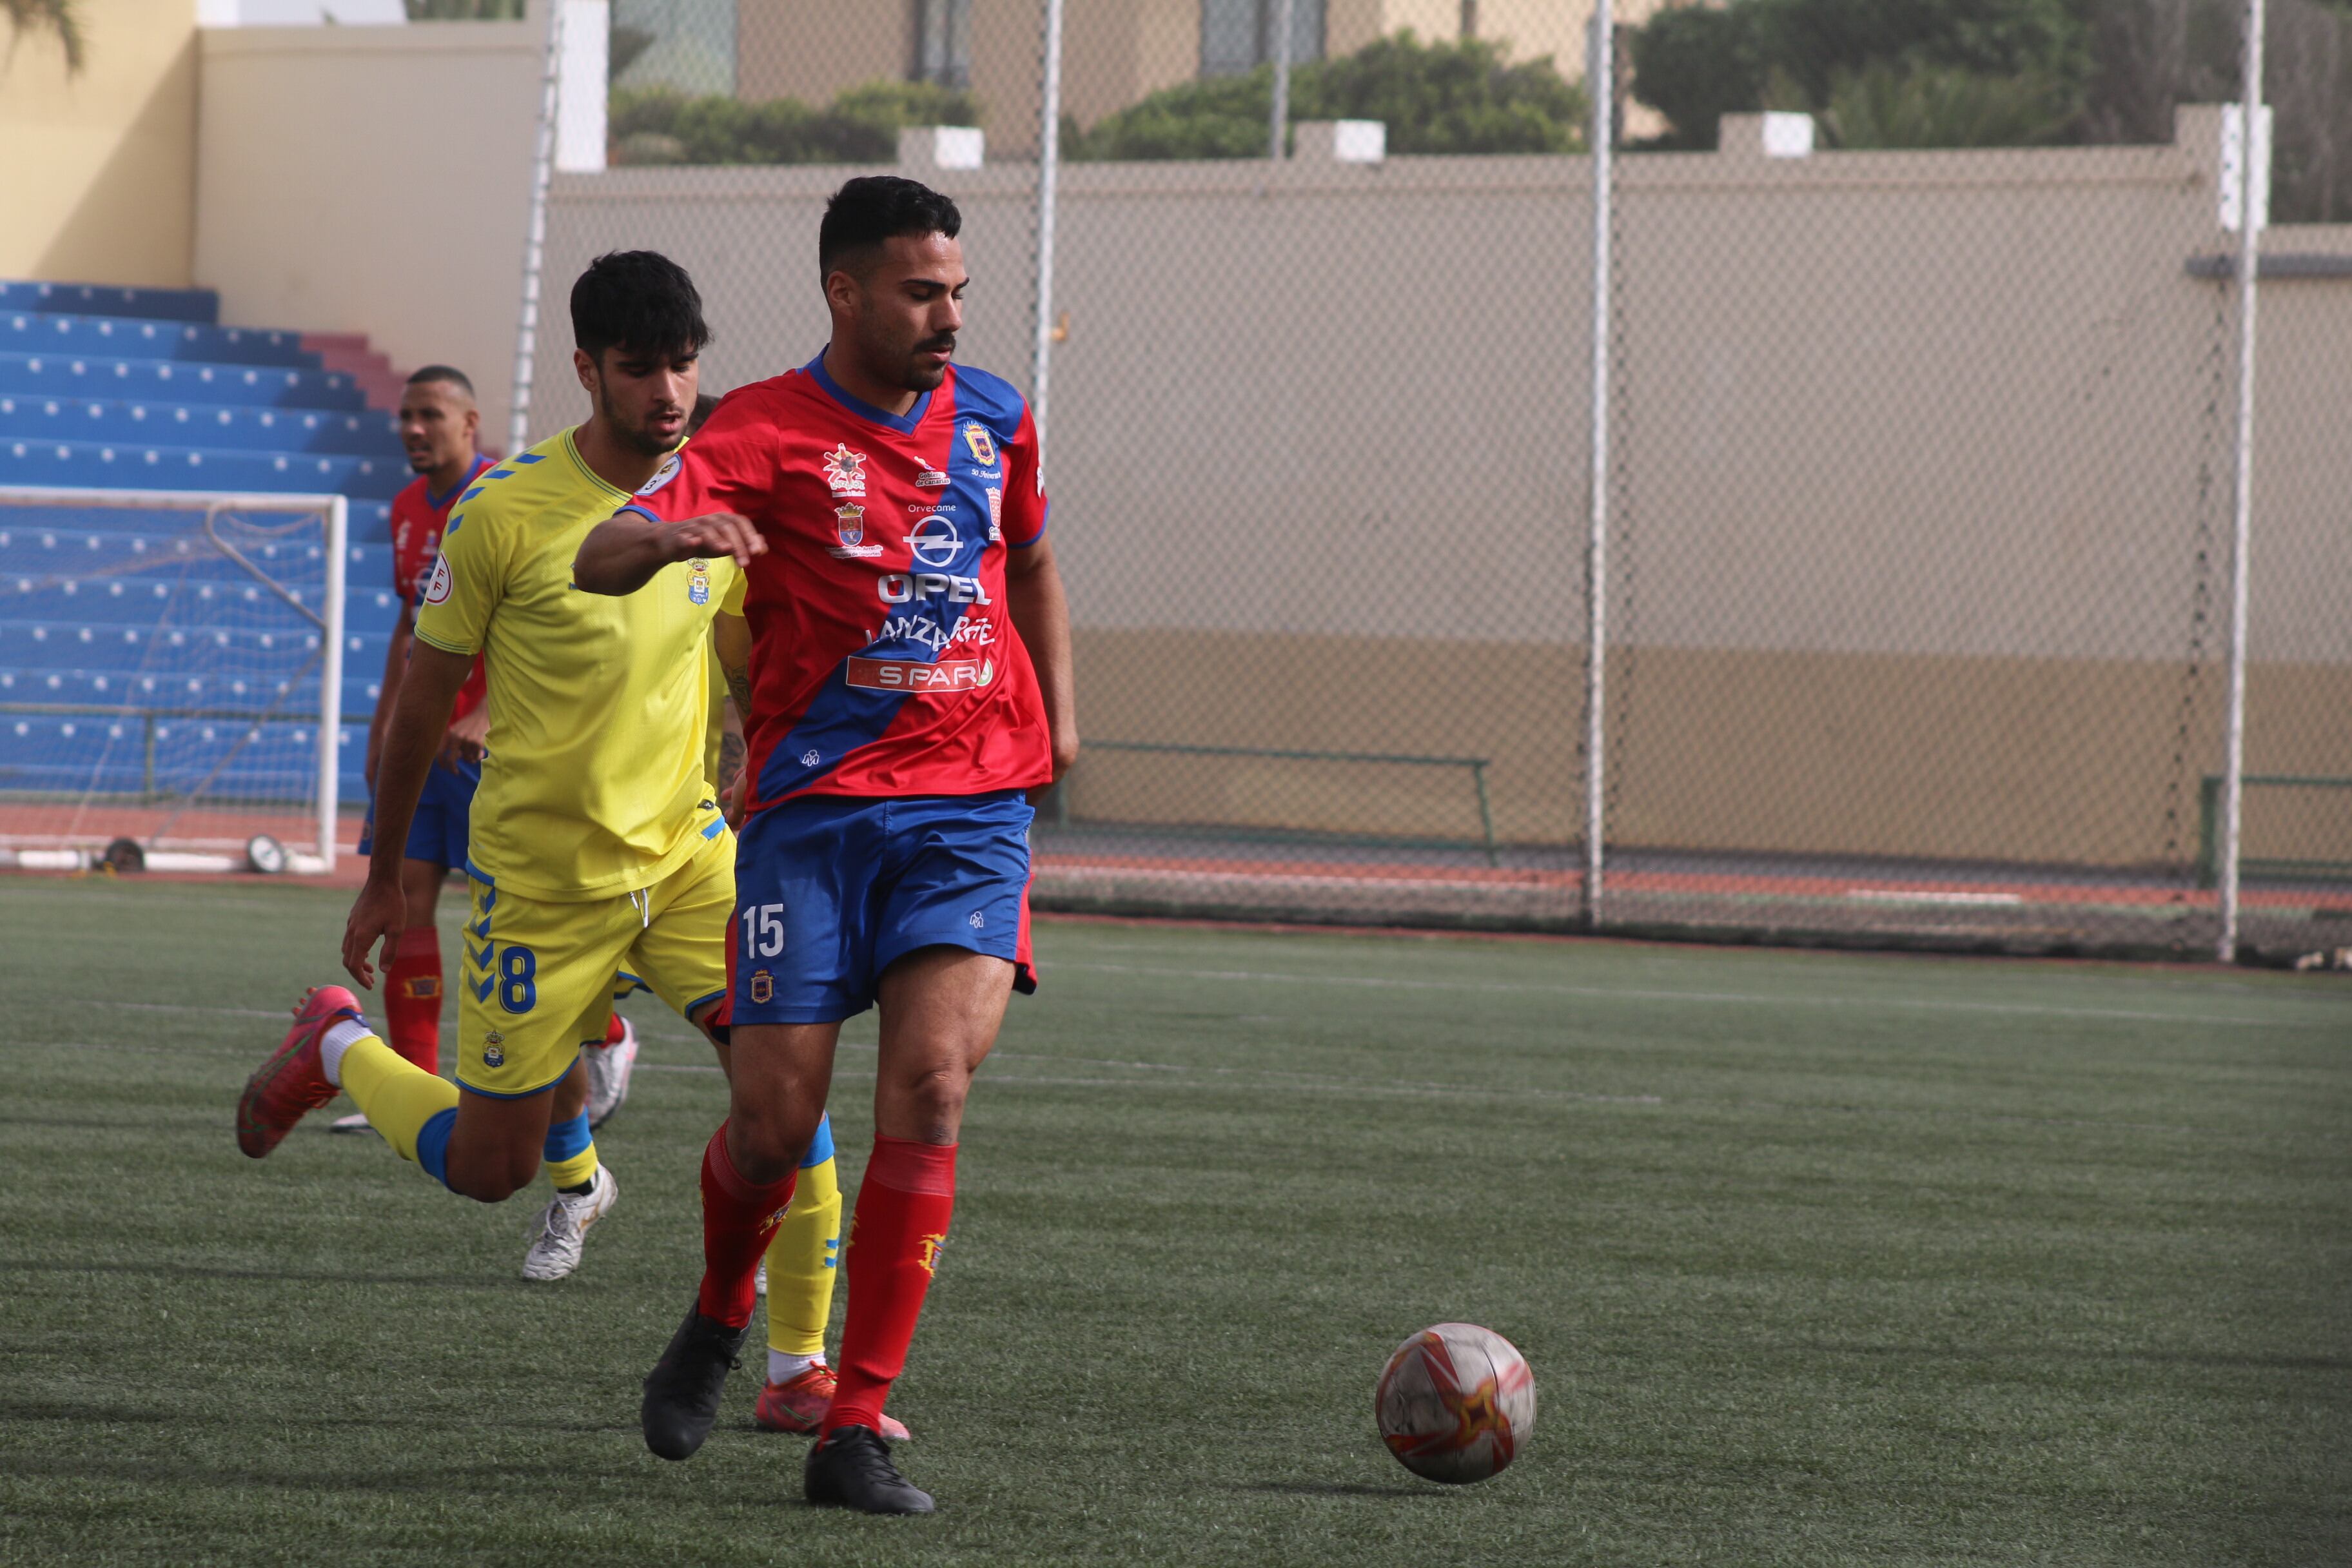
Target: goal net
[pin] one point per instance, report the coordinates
(171, 679)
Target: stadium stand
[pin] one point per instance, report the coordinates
(144, 389)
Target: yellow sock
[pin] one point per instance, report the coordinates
(570, 1154)
(396, 1096)
(800, 1264)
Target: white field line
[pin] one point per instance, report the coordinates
(1734, 998)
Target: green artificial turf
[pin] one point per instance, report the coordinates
(1818, 1259)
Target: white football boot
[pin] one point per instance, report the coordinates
(608, 1069)
(563, 1228)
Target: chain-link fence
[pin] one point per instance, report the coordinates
(1920, 486)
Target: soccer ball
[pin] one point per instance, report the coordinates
(1456, 1403)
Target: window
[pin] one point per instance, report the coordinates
(1238, 35)
(943, 42)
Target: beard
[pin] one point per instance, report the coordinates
(639, 438)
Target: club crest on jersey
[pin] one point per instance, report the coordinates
(982, 444)
(844, 471)
(764, 986)
(849, 526)
(698, 582)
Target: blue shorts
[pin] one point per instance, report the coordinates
(437, 832)
(831, 890)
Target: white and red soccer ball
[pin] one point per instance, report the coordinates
(1456, 1403)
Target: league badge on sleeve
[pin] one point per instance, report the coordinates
(662, 476)
(438, 588)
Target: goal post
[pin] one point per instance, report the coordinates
(171, 674)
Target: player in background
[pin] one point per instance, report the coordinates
(908, 686)
(439, 429)
(597, 848)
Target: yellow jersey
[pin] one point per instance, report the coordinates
(598, 705)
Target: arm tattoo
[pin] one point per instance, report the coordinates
(730, 759)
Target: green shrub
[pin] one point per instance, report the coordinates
(660, 125)
(1438, 98)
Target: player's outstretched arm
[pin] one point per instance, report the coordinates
(1041, 613)
(622, 553)
(420, 722)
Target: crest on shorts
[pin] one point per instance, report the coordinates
(982, 443)
(844, 471)
(764, 986)
(493, 1055)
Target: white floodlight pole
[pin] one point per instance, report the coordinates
(2253, 159)
(1600, 60)
(1279, 120)
(534, 248)
(1049, 179)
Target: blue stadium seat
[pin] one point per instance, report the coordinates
(39, 331)
(99, 375)
(199, 424)
(100, 465)
(198, 305)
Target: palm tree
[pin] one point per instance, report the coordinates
(61, 17)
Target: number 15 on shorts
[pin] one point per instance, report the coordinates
(763, 931)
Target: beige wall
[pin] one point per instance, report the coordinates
(1920, 452)
(788, 48)
(98, 170)
(375, 180)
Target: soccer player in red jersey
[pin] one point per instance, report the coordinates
(440, 429)
(907, 688)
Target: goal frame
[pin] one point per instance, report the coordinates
(328, 618)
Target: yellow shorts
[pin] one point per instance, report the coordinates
(538, 980)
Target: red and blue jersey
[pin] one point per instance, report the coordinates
(418, 516)
(884, 658)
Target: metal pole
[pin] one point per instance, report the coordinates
(1049, 175)
(330, 681)
(534, 249)
(2253, 166)
(1599, 77)
(1279, 121)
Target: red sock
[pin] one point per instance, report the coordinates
(894, 1236)
(412, 998)
(739, 1220)
(613, 1031)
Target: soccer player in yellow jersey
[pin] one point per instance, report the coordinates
(596, 845)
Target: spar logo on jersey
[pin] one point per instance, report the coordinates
(438, 589)
(934, 542)
(982, 443)
(849, 526)
(662, 476)
(844, 472)
(945, 677)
